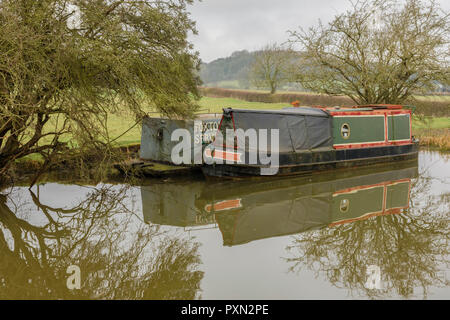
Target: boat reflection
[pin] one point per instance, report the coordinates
(173, 204)
(245, 211)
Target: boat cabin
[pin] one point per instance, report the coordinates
(308, 128)
(370, 125)
(309, 139)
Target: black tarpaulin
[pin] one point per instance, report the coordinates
(299, 128)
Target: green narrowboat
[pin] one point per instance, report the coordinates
(309, 139)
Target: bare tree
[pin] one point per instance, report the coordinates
(269, 69)
(378, 52)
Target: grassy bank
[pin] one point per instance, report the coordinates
(434, 138)
(432, 132)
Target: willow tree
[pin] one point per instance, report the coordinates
(379, 51)
(66, 66)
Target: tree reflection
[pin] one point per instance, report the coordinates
(411, 248)
(119, 257)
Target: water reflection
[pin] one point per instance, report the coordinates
(231, 239)
(246, 211)
(119, 259)
(342, 223)
(410, 247)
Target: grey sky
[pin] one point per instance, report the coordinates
(226, 26)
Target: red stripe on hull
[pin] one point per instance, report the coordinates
(374, 144)
(371, 186)
(224, 205)
(383, 213)
(224, 155)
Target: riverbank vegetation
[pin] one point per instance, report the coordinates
(67, 68)
(433, 131)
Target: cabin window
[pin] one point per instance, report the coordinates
(345, 203)
(345, 131)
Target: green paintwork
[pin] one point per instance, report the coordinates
(360, 203)
(398, 127)
(397, 195)
(362, 129)
(366, 201)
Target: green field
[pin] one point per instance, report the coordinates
(431, 123)
(208, 104)
(118, 125)
(443, 98)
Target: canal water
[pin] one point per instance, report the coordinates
(367, 233)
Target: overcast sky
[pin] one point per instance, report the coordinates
(226, 26)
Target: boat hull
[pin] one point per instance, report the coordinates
(304, 162)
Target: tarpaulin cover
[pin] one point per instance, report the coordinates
(299, 128)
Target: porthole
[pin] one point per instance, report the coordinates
(345, 131)
(345, 204)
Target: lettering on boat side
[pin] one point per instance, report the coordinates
(229, 309)
(230, 147)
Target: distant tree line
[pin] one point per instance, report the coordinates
(383, 51)
(265, 68)
(234, 67)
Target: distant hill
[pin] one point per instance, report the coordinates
(232, 72)
(228, 72)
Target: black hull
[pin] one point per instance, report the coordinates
(301, 163)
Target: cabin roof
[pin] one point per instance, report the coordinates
(301, 111)
(367, 107)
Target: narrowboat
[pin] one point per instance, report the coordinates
(309, 139)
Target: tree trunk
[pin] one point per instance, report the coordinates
(273, 88)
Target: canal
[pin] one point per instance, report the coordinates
(378, 232)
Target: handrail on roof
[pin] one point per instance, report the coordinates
(379, 106)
